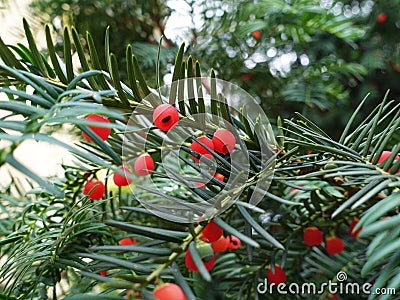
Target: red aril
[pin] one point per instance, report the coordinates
(224, 141)
(196, 147)
(234, 243)
(312, 236)
(208, 262)
(143, 164)
(278, 277)
(200, 185)
(122, 179)
(351, 228)
(382, 18)
(127, 241)
(101, 132)
(256, 34)
(169, 291)
(221, 244)
(165, 117)
(218, 176)
(334, 245)
(96, 188)
(211, 232)
(385, 155)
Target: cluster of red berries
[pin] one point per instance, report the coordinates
(312, 236)
(165, 117)
(222, 142)
(211, 241)
(142, 166)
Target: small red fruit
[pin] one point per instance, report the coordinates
(278, 277)
(351, 228)
(212, 232)
(382, 18)
(127, 241)
(143, 164)
(208, 262)
(224, 141)
(123, 180)
(169, 291)
(97, 189)
(200, 185)
(385, 155)
(101, 132)
(247, 76)
(334, 245)
(234, 243)
(165, 117)
(218, 176)
(256, 34)
(334, 297)
(196, 147)
(103, 273)
(221, 244)
(312, 236)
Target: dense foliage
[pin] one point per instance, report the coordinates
(312, 56)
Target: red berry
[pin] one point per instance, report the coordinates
(218, 176)
(234, 243)
(101, 132)
(312, 236)
(196, 147)
(385, 155)
(278, 277)
(382, 17)
(334, 245)
(103, 273)
(334, 297)
(122, 180)
(224, 141)
(351, 228)
(165, 117)
(256, 34)
(127, 241)
(98, 191)
(221, 244)
(208, 262)
(200, 185)
(247, 76)
(212, 232)
(169, 291)
(143, 164)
